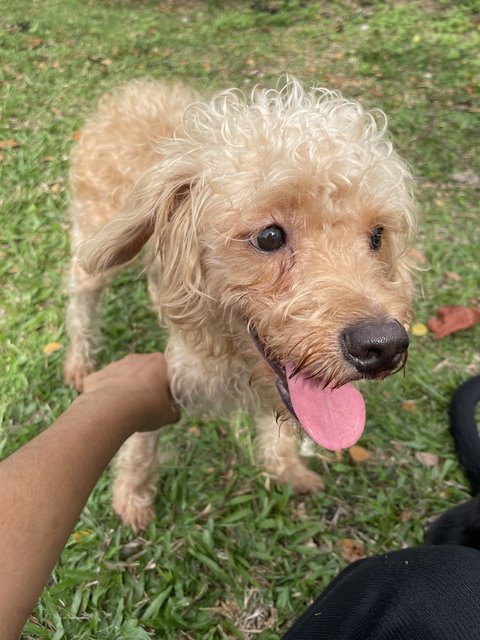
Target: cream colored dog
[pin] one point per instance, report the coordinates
(276, 230)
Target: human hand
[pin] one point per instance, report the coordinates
(137, 384)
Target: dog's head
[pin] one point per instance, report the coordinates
(285, 220)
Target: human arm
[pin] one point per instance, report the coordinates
(45, 484)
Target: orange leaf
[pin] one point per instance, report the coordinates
(78, 536)
(33, 43)
(352, 550)
(409, 405)
(358, 454)
(51, 347)
(9, 144)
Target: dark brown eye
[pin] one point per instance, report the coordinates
(269, 239)
(376, 238)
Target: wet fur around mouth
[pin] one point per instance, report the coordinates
(278, 369)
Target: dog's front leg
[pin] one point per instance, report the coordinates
(134, 488)
(279, 448)
(82, 310)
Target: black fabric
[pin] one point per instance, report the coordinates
(425, 593)
(458, 525)
(461, 524)
(465, 430)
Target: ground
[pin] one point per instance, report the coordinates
(230, 554)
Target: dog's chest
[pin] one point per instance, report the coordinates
(220, 386)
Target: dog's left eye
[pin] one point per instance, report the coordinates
(269, 239)
(376, 238)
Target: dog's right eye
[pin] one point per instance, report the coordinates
(269, 239)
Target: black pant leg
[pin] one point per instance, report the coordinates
(424, 593)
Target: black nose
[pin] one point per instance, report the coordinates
(374, 347)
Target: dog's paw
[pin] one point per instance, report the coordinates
(302, 479)
(74, 373)
(134, 510)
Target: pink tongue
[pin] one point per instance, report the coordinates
(334, 418)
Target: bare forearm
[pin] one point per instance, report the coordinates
(44, 485)
(43, 488)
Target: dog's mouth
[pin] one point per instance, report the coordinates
(333, 416)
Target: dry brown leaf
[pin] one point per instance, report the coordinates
(352, 550)
(358, 453)
(194, 430)
(427, 459)
(9, 144)
(452, 275)
(418, 256)
(33, 43)
(409, 405)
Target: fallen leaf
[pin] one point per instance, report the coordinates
(76, 136)
(195, 431)
(9, 144)
(106, 62)
(418, 256)
(427, 459)
(358, 453)
(352, 550)
(453, 318)
(419, 329)
(51, 347)
(409, 405)
(33, 43)
(78, 536)
(452, 275)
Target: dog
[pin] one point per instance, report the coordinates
(461, 524)
(276, 229)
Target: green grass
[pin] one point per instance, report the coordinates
(230, 554)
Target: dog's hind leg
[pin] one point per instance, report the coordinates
(85, 292)
(134, 488)
(278, 446)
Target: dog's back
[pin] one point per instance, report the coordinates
(118, 144)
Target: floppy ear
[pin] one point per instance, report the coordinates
(166, 208)
(152, 208)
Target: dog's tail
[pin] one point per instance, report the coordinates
(465, 430)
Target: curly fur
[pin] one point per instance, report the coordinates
(193, 181)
